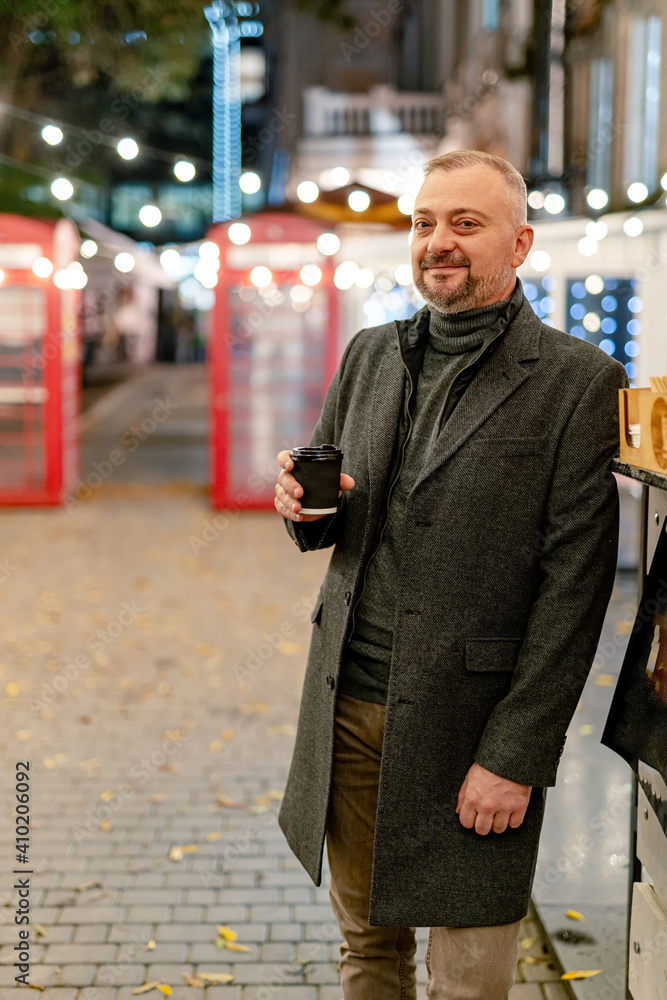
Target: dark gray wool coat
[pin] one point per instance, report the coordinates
(511, 536)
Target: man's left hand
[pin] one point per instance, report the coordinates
(488, 802)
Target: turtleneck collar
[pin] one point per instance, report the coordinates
(454, 333)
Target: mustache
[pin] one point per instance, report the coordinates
(431, 261)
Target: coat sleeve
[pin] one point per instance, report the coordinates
(311, 535)
(577, 551)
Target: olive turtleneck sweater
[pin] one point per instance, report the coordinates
(453, 342)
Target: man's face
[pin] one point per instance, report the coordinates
(466, 245)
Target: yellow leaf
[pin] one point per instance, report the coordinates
(275, 794)
(105, 825)
(41, 930)
(236, 947)
(216, 746)
(12, 689)
(287, 729)
(193, 980)
(175, 854)
(189, 848)
(106, 796)
(150, 945)
(290, 648)
(575, 915)
(224, 800)
(527, 943)
(23, 734)
(586, 730)
(624, 628)
(163, 988)
(215, 977)
(227, 734)
(227, 933)
(583, 974)
(604, 680)
(156, 798)
(146, 987)
(212, 836)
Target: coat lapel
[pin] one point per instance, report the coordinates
(386, 409)
(497, 377)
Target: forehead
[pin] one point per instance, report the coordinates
(478, 187)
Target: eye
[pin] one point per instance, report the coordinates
(421, 222)
(466, 222)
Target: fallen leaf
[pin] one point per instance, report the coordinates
(193, 980)
(106, 796)
(527, 943)
(604, 680)
(12, 689)
(575, 915)
(624, 628)
(156, 798)
(586, 730)
(227, 933)
(233, 946)
(255, 706)
(535, 960)
(275, 794)
(227, 734)
(224, 800)
(146, 987)
(290, 648)
(163, 988)
(216, 746)
(189, 848)
(89, 885)
(175, 854)
(105, 825)
(583, 974)
(150, 945)
(212, 836)
(287, 729)
(215, 977)
(41, 930)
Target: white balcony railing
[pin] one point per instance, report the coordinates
(381, 111)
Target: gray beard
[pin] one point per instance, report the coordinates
(470, 295)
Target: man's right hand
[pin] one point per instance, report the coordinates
(288, 491)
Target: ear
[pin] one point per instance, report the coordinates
(524, 238)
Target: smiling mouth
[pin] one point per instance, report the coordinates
(444, 267)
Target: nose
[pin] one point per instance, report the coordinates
(442, 240)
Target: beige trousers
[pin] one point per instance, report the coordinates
(378, 963)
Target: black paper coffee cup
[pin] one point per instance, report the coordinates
(317, 470)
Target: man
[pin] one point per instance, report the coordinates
(475, 546)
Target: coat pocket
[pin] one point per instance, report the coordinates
(482, 655)
(317, 610)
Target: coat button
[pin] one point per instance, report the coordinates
(330, 681)
(348, 596)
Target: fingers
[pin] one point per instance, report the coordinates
(500, 821)
(346, 482)
(516, 818)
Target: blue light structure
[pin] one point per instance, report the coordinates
(222, 15)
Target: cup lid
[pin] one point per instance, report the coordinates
(323, 453)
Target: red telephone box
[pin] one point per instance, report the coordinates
(273, 349)
(39, 359)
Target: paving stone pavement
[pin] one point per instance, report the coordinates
(153, 685)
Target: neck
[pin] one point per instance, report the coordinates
(455, 332)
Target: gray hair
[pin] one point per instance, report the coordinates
(476, 158)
